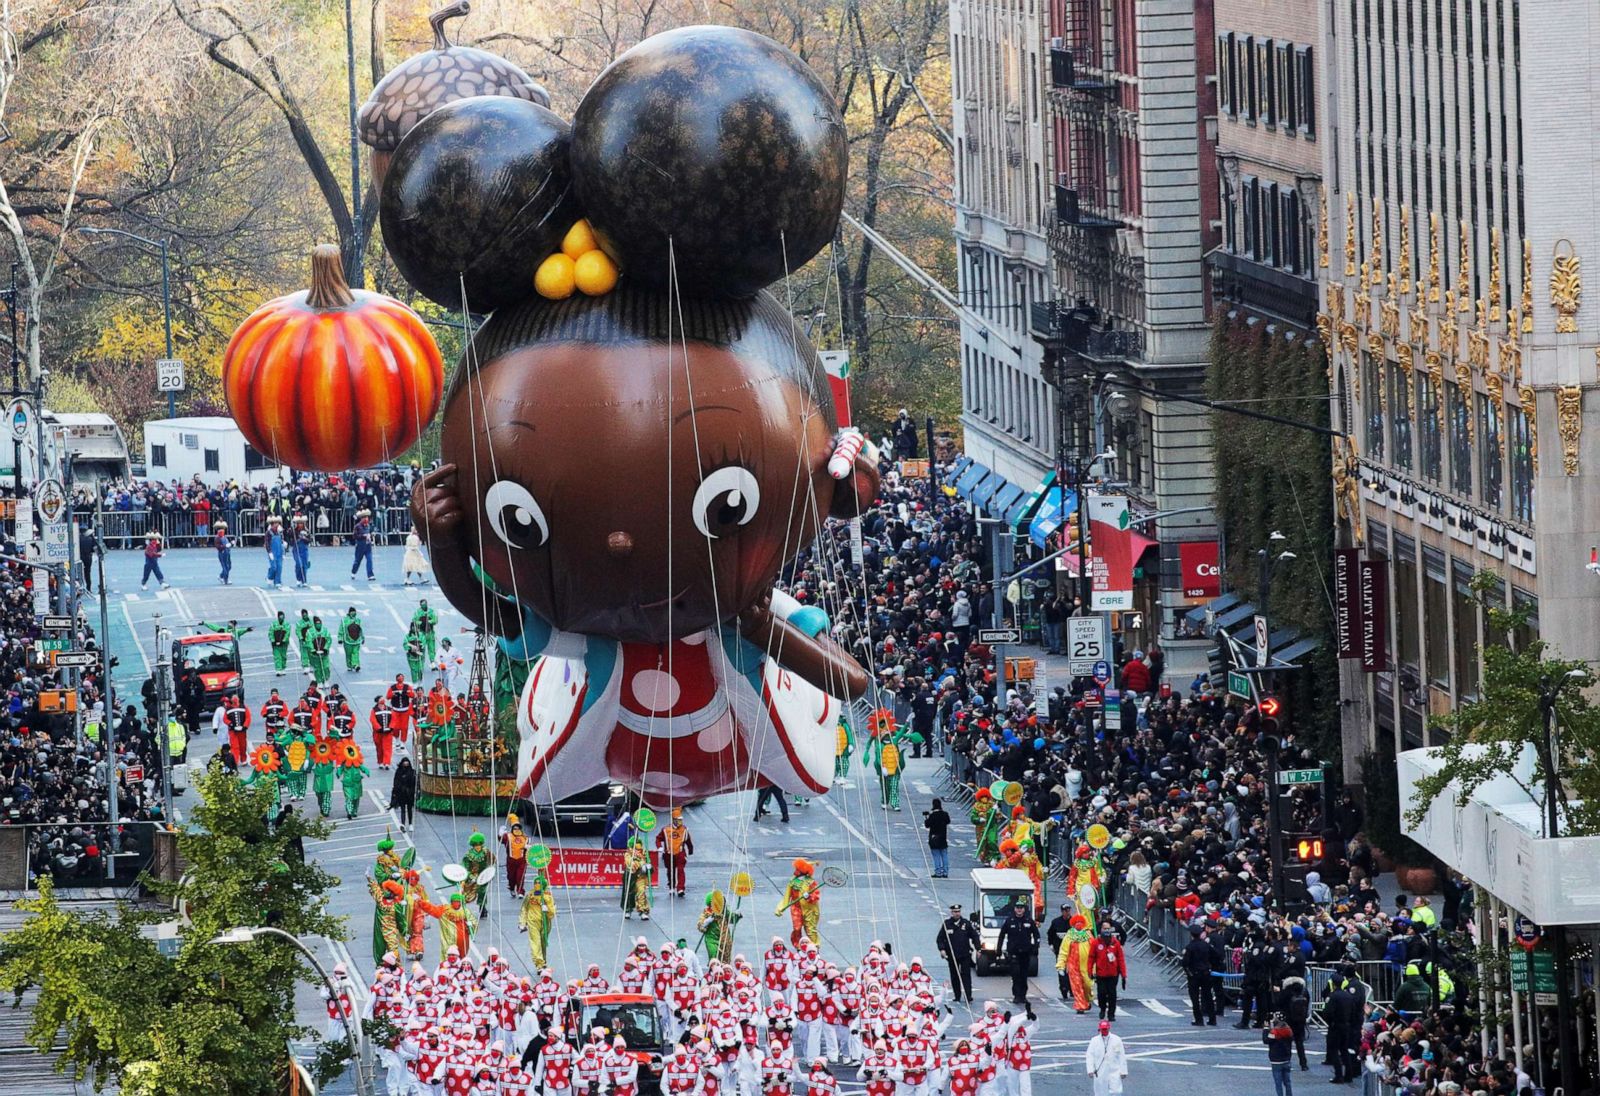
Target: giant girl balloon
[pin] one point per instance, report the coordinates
(714, 150)
(331, 377)
(477, 195)
(624, 477)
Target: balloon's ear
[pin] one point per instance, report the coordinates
(854, 466)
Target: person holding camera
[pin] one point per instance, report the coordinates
(937, 822)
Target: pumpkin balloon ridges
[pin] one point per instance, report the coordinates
(332, 378)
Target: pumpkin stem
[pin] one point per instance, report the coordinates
(439, 18)
(328, 287)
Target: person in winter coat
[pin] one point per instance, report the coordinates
(1294, 1004)
(1278, 1037)
(403, 793)
(1135, 674)
(1107, 964)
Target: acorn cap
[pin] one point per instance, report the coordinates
(423, 83)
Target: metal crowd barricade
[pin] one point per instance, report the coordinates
(184, 529)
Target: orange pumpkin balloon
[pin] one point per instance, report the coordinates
(332, 378)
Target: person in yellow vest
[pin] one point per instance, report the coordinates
(177, 741)
(1422, 914)
(676, 846)
(91, 730)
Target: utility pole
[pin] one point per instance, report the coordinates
(356, 274)
(163, 706)
(1549, 758)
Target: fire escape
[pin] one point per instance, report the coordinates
(1086, 104)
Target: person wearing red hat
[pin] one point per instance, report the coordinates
(1106, 1061)
(1073, 961)
(803, 899)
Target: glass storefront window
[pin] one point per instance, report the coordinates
(1407, 618)
(1529, 631)
(1459, 411)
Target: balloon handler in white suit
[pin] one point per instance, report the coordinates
(1106, 1061)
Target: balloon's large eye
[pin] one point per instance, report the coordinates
(515, 515)
(726, 499)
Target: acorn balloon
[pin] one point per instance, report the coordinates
(426, 81)
(476, 197)
(332, 378)
(712, 150)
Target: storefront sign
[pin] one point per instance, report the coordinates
(591, 868)
(1373, 587)
(1202, 569)
(1111, 569)
(1347, 601)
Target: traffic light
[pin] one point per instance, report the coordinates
(1270, 707)
(1307, 850)
(1218, 664)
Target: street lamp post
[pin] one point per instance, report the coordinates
(166, 291)
(1549, 759)
(352, 1023)
(356, 274)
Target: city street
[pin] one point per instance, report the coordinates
(890, 896)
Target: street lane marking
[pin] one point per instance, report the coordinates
(1156, 1006)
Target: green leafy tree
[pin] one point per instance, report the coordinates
(213, 1019)
(1488, 737)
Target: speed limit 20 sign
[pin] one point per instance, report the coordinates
(169, 375)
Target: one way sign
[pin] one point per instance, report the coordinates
(991, 636)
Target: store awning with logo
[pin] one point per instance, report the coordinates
(970, 476)
(1141, 545)
(1051, 514)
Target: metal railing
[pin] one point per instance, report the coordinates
(30, 850)
(186, 529)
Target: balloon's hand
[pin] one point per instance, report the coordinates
(435, 502)
(854, 463)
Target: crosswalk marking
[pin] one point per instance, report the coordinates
(1156, 1006)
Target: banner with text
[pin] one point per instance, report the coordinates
(1111, 537)
(1201, 566)
(1347, 601)
(1373, 585)
(591, 868)
(836, 364)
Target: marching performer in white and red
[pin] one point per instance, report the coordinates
(589, 1070)
(808, 994)
(680, 1072)
(622, 1069)
(553, 1073)
(821, 1081)
(777, 1075)
(341, 1008)
(779, 968)
(594, 981)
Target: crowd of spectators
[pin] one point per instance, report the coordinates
(52, 774)
(185, 513)
(1178, 773)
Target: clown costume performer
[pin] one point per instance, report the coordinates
(538, 917)
(803, 899)
(1072, 961)
(636, 880)
(478, 858)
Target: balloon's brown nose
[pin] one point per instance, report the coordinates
(619, 544)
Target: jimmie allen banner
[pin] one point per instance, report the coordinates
(591, 868)
(1111, 536)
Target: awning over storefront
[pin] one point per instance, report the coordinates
(1023, 512)
(1004, 499)
(984, 493)
(1069, 562)
(1052, 514)
(1214, 606)
(970, 477)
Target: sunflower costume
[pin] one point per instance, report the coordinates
(323, 765)
(351, 774)
(264, 769)
(885, 753)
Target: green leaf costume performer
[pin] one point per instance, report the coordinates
(416, 653)
(716, 926)
(297, 760)
(321, 652)
(351, 773)
(884, 753)
(351, 637)
(636, 880)
(477, 858)
(985, 819)
(537, 919)
(264, 769)
(844, 742)
(278, 640)
(322, 772)
(302, 637)
(426, 621)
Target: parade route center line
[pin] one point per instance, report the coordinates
(138, 645)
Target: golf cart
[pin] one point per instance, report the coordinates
(994, 892)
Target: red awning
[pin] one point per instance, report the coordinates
(1141, 545)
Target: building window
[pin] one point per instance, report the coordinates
(1495, 596)
(1520, 451)
(213, 460)
(1529, 630)
(1225, 89)
(1370, 379)
(1407, 620)
(1248, 78)
(158, 456)
(1288, 108)
(1230, 218)
(1429, 449)
(1491, 443)
(1460, 412)
(1272, 222)
(1267, 106)
(255, 460)
(1466, 632)
(1147, 446)
(1400, 417)
(1250, 191)
(1306, 93)
(1292, 233)
(1436, 617)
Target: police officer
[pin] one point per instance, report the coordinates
(1019, 942)
(1197, 971)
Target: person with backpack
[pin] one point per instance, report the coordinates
(1279, 1036)
(1294, 1005)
